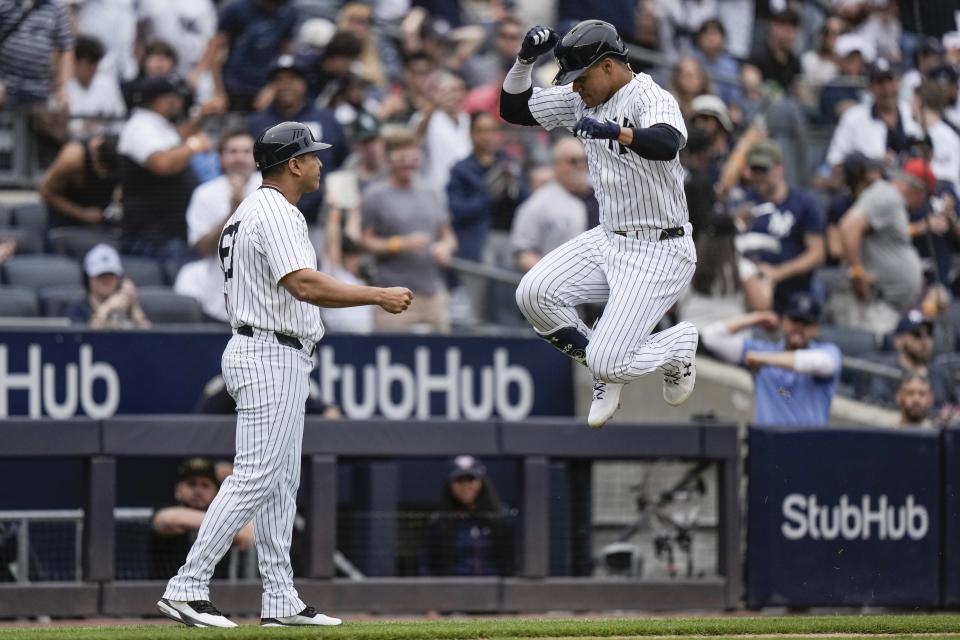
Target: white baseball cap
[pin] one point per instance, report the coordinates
(710, 105)
(849, 43)
(951, 40)
(102, 259)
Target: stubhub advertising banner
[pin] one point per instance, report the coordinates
(66, 373)
(844, 517)
(951, 506)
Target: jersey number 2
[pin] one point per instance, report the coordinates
(226, 245)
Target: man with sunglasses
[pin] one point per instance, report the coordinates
(781, 233)
(795, 376)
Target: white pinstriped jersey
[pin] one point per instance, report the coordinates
(633, 193)
(264, 240)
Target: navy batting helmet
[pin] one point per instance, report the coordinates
(281, 142)
(586, 43)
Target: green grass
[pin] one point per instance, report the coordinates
(767, 627)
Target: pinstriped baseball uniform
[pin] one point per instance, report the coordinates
(639, 276)
(264, 240)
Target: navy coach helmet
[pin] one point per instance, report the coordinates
(281, 142)
(586, 43)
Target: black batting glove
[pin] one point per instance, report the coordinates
(537, 42)
(591, 129)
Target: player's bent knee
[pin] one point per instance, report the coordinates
(527, 299)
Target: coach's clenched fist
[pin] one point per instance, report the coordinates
(395, 299)
(537, 42)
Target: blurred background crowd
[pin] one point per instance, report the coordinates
(823, 157)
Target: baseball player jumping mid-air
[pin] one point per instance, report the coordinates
(273, 291)
(641, 257)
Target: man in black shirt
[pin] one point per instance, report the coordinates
(774, 57)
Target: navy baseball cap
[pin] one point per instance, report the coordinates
(287, 62)
(196, 468)
(466, 467)
(803, 307)
(912, 320)
(881, 69)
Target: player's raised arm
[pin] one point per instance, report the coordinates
(518, 84)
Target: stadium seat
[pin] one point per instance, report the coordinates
(32, 217)
(18, 302)
(76, 241)
(145, 272)
(6, 215)
(38, 271)
(172, 268)
(56, 300)
(163, 306)
(852, 342)
(27, 241)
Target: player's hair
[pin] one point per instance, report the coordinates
(88, 48)
(230, 134)
(275, 170)
(400, 139)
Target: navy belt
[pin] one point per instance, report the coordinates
(282, 338)
(673, 232)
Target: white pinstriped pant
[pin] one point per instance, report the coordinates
(639, 281)
(270, 384)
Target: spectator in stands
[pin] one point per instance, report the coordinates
(774, 57)
(914, 355)
(820, 64)
(36, 54)
(189, 26)
(174, 527)
(93, 97)
(158, 60)
(881, 28)
(289, 83)
(556, 212)
(844, 91)
(469, 535)
(249, 34)
(880, 131)
(711, 52)
(689, 80)
(709, 114)
(409, 95)
(155, 173)
(795, 377)
(334, 68)
(949, 80)
(114, 23)
(929, 102)
(781, 233)
(484, 187)
(356, 18)
(444, 129)
(111, 301)
(490, 67)
(929, 56)
(915, 401)
(80, 184)
(407, 229)
(884, 269)
(211, 204)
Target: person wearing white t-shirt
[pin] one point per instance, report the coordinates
(114, 23)
(211, 204)
(444, 128)
(96, 103)
(930, 100)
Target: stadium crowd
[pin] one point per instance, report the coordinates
(823, 159)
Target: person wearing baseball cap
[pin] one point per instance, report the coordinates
(469, 535)
(174, 527)
(913, 354)
(288, 80)
(795, 376)
(853, 53)
(111, 300)
(781, 236)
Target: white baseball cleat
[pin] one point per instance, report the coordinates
(680, 374)
(309, 617)
(195, 613)
(606, 401)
